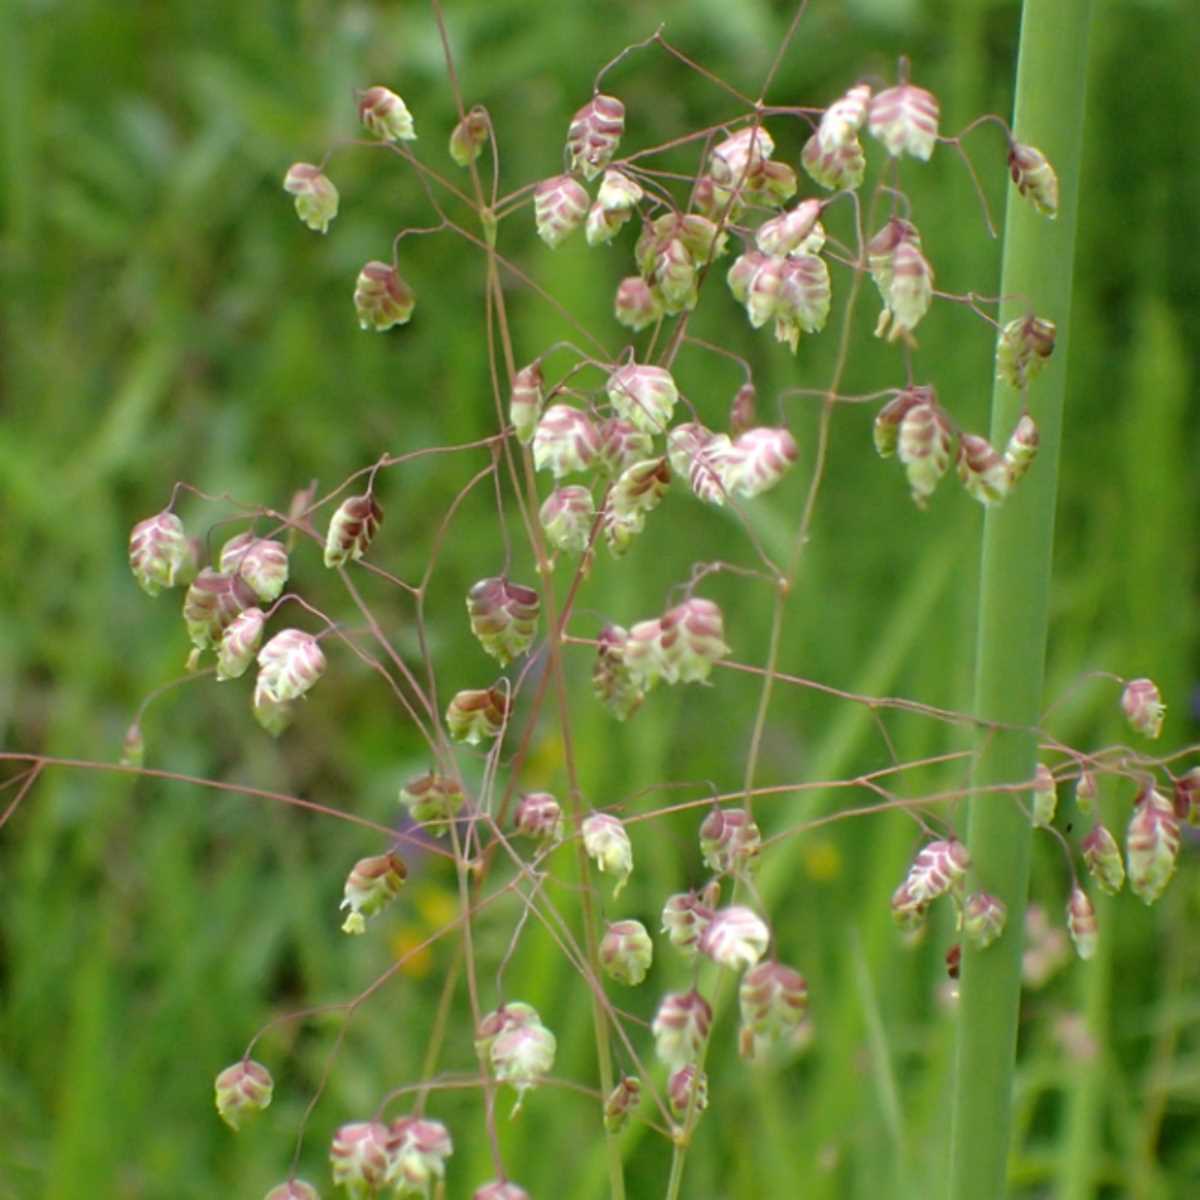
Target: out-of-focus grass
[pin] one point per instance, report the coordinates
(166, 318)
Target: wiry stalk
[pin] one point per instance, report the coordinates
(1013, 600)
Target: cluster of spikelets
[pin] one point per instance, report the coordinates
(1152, 840)
(404, 1158)
(779, 278)
(226, 606)
(615, 444)
(773, 998)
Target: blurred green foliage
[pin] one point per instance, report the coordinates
(166, 318)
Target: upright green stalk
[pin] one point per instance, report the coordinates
(1013, 599)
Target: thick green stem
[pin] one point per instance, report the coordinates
(1013, 600)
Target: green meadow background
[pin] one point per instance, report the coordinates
(165, 317)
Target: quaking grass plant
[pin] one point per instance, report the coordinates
(594, 445)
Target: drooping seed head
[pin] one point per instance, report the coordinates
(503, 616)
(352, 529)
(692, 639)
(984, 474)
(1081, 923)
(736, 937)
(373, 883)
(477, 713)
(643, 395)
(640, 487)
(239, 644)
(762, 292)
(643, 654)
(730, 840)
(797, 231)
(983, 919)
(382, 298)
(1102, 856)
(837, 169)
(1035, 178)
(675, 276)
(609, 847)
(594, 134)
(887, 422)
(636, 303)
(603, 224)
(910, 909)
(385, 115)
(567, 515)
(905, 120)
(158, 552)
(1022, 449)
(621, 1101)
(525, 401)
(842, 120)
(242, 1090)
(212, 603)
(361, 1157)
(760, 459)
(559, 207)
(261, 562)
(684, 919)
(774, 184)
(613, 684)
(683, 443)
(1045, 795)
(773, 1000)
(909, 294)
(626, 952)
(923, 446)
(289, 664)
(939, 867)
(273, 715)
(565, 441)
(1143, 707)
(419, 1148)
(802, 299)
(1023, 348)
(316, 198)
(515, 1012)
(539, 816)
(432, 800)
(738, 159)
(618, 192)
(680, 1028)
(521, 1054)
(687, 1091)
(469, 137)
(1151, 845)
